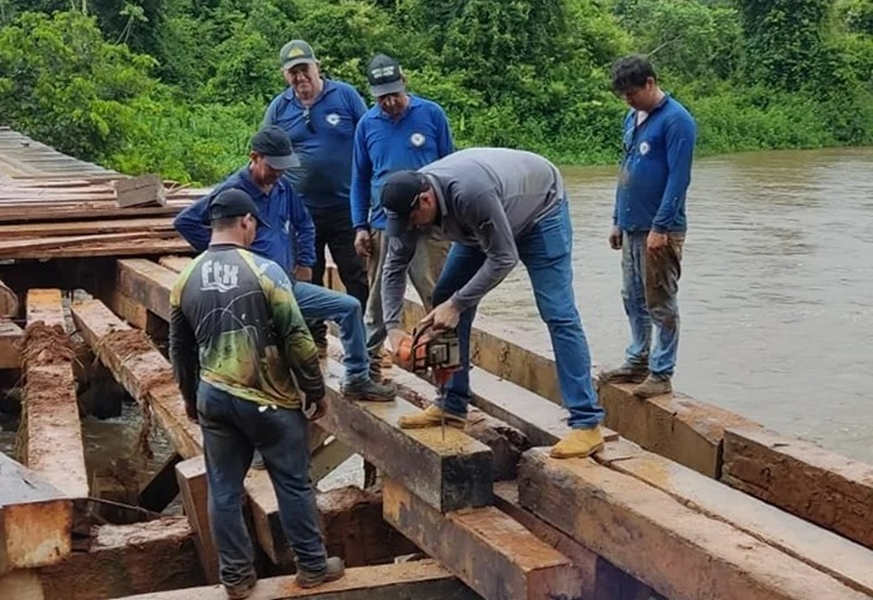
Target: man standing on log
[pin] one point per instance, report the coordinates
(249, 373)
(401, 131)
(648, 224)
(498, 206)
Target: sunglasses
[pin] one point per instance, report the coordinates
(307, 118)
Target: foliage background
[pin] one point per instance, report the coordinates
(179, 86)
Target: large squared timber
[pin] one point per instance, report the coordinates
(10, 337)
(51, 429)
(488, 550)
(681, 553)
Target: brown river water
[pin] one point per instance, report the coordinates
(776, 298)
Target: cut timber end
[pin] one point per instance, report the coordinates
(10, 338)
(36, 519)
(139, 191)
(8, 302)
(448, 474)
(485, 548)
(681, 553)
(51, 429)
(423, 580)
(798, 476)
(148, 283)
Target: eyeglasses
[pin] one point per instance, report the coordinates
(307, 118)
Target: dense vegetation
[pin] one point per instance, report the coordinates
(178, 86)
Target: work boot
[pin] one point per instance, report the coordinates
(376, 368)
(241, 590)
(579, 443)
(430, 417)
(334, 570)
(626, 373)
(367, 389)
(654, 385)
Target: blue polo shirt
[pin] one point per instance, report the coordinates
(290, 238)
(655, 170)
(384, 145)
(322, 136)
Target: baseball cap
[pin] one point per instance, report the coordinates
(296, 52)
(234, 202)
(384, 76)
(398, 195)
(274, 145)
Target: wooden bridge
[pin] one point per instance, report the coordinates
(686, 502)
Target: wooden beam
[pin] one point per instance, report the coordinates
(424, 580)
(8, 302)
(51, 430)
(819, 548)
(21, 585)
(36, 519)
(680, 552)
(10, 337)
(177, 264)
(485, 548)
(148, 283)
(327, 458)
(144, 190)
(799, 476)
(194, 489)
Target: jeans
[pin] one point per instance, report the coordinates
(424, 270)
(545, 251)
(318, 303)
(232, 429)
(336, 232)
(649, 289)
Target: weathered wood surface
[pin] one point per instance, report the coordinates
(832, 491)
(422, 580)
(50, 430)
(36, 519)
(148, 283)
(194, 489)
(680, 552)
(8, 302)
(21, 585)
(10, 337)
(488, 550)
(143, 190)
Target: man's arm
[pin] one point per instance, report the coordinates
(304, 229)
(362, 173)
(184, 354)
(400, 251)
(496, 241)
(191, 223)
(357, 106)
(681, 134)
(271, 114)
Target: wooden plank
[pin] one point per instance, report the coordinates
(798, 476)
(193, 487)
(143, 190)
(680, 552)
(10, 337)
(50, 429)
(36, 519)
(148, 283)
(96, 246)
(423, 580)
(176, 264)
(72, 228)
(849, 562)
(451, 473)
(485, 548)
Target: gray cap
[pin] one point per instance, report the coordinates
(384, 76)
(296, 52)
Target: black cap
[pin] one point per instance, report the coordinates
(234, 202)
(275, 146)
(384, 76)
(398, 197)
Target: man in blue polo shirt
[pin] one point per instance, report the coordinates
(648, 223)
(320, 116)
(401, 131)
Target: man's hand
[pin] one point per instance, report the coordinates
(302, 273)
(313, 410)
(362, 243)
(398, 340)
(444, 316)
(615, 238)
(656, 241)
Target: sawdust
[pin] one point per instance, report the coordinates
(45, 345)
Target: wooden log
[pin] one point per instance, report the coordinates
(10, 338)
(140, 558)
(681, 553)
(849, 562)
(36, 519)
(798, 476)
(50, 430)
(191, 477)
(485, 548)
(424, 580)
(145, 190)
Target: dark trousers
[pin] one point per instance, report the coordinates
(232, 429)
(334, 230)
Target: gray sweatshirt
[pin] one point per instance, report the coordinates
(488, 198)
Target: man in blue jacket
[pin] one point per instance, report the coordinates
(320, 115)
(648, 223)
(288, 226)
(401, 131)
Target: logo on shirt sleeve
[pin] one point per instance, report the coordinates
(417, 139)
(332, 119)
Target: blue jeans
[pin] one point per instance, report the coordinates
(649, 289)
(232, 429)
(545, 251)
(319, 304)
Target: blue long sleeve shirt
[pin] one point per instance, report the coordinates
(420, 136)
(290, 238)
(655, 170)
(322, 136)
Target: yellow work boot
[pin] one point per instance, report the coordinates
(430, 417)
(578, 443)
